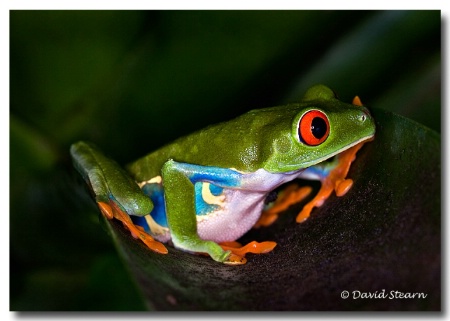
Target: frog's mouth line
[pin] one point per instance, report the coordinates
(320, 160)
(364, 139)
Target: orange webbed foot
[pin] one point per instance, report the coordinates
(292, 194)
(238, 251)
(112, 210)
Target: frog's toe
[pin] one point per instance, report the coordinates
(266, 219)
(156, 246)
(303, 215)
(106, 210)
(252, 247)
(342, 187)
(234, 259)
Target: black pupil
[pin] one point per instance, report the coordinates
(318, 127)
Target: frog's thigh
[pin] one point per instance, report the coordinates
(181, 217)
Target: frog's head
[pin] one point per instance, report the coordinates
(317, 128)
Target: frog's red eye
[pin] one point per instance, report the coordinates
(313, 128)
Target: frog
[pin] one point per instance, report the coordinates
(204, 191)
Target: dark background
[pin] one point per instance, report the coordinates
(131, 81)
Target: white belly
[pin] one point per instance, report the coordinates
(236, 210)
(241, 207)
(239, 214)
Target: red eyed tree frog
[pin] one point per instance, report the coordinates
(205, 190)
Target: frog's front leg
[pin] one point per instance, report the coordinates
(333, 178)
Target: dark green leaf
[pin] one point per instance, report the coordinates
(131, 81)
(383, 235)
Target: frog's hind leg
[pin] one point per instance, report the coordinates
(290, 195)
(111, 210)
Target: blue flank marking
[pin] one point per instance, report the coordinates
(320, 171)
(215, 190)
(140, 220)
(219, 178)
(223, 177)
(156, 194)
(201, 207)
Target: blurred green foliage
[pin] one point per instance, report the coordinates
(131, 81)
